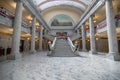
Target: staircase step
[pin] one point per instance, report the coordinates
(62, 49)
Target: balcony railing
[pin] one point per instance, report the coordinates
(7, 19)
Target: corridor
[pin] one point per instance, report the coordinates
(38, 66)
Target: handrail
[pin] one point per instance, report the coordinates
(51, 47)
(53, 44)
(71, 44)
(73, 47)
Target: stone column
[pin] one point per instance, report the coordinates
(111, 29)
(83, 38)
(33, 35)
(45, 32)
(78, 40)
(45, 44)
(17, 30)
(41, 38)
(78, 32)
(78, 44)
(92, 36)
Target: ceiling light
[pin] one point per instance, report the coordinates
(30, 21)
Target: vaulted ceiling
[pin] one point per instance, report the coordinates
(46, 7)
(45, 4)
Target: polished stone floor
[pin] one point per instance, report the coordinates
(40, 67)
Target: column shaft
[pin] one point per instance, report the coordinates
(41, 38)
(45, 32)
(112, 37)
(17, 30)
(83, 38)
(92, 36)
(33, 35)
(78, 32)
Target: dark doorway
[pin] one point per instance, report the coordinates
(61, 33)
(119, 45)
(21, 45)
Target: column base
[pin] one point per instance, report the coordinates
(110, 56)
(92, 52)
(39, 50)
(84, 50)
(49, 53)
(14, 56)
(34, 51)
(77, 53)
(116, 56)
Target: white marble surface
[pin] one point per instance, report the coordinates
(41, 67)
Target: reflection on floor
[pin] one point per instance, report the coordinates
(40, 67)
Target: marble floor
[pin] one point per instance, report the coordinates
(40, 67)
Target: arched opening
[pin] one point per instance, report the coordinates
(62, 20)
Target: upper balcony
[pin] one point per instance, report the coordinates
(102, 26)
(7, 20)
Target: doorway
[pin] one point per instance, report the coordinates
(21, 45)
(119, 45)
(61, 33)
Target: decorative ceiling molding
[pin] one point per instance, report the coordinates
(68, 0)
(81, 5)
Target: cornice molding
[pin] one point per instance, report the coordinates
(29, 5)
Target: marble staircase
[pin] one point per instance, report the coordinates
(62, 49)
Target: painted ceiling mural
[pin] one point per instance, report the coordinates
(62, 20)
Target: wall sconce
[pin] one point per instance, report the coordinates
(37, 24)
(49, 42)
(76, 42)
(28, 39)
(30, 21)
(95, 21)
(97, 38)
(88, 40)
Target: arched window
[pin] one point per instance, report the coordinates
(62, 20)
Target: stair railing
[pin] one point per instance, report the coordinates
(53, 44)
(71, 44)
(73, 47)
(51, 47)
